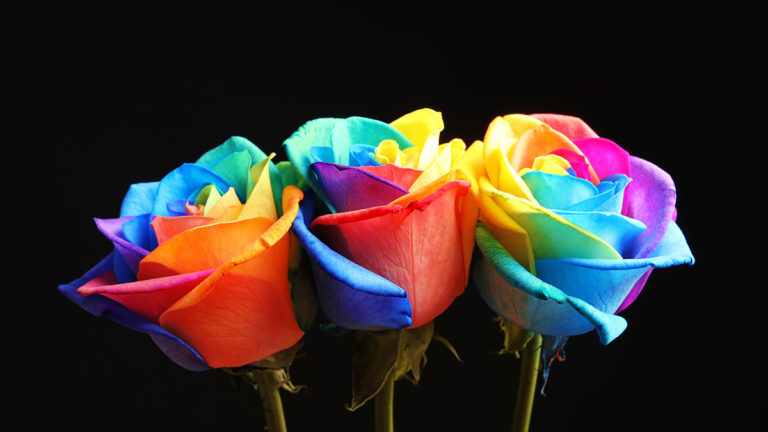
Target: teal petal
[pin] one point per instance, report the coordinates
(332, 140)
(237, 144)
(235, 169)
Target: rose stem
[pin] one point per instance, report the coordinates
(526, 388)
(384, 403)
(269, 389)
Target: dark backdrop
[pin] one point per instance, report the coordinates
(127, 100)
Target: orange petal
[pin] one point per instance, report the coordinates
(166, 227)
(243, 312)
(201, 248)
(541, 141)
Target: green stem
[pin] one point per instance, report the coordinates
(384, 403)
(526, 388)
(268, 383)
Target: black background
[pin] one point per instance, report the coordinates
(123, 96)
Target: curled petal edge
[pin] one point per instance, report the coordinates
(608, 326)
(352, 296)
(176, 349)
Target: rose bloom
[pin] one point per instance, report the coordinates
(392, 245)
(570, 225)
(201, 261)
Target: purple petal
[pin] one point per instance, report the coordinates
(651, 199)
(350, 188)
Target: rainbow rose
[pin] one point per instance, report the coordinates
(570, 226)
(201, 261)
(393, 249)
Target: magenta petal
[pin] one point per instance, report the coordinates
(605, 156)
(151, 297)
(578, 162)
(350, 188)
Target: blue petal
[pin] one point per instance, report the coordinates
(139, 232)
(558, 192)
(139, 199)
(592, 288)
(181, 182)
(98, 305)
(533, 303)
(363, 155)
(616, 230)
(564, 192)
(177, 207)
(351, 296)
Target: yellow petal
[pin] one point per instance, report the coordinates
(441, 164)
(418, 126)
(519, 123)
(227, 200)
(388, 152)
(261, 202)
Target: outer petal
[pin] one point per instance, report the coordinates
(599, 286)
(176, 349)
(243, 312)
(139, 199)
(350, 295)
(522, 298)
(148, 298)
(418, 247)
(112, 230)
(651, 199)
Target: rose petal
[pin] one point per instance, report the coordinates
(572, 127)
(398, 243)
(339, 135)
(529, 302)
(206, 247)
(350, 188)
(551, 235)
(401, 176)
(98, 305)
(242, 312)
(350, 295)
(651, 200)
(183, 182)
(616, 230)
(147, 298)
(139, 199)
(541, 141)
(606, 157)
(167, 227)
(237, 144)
(131, 254)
